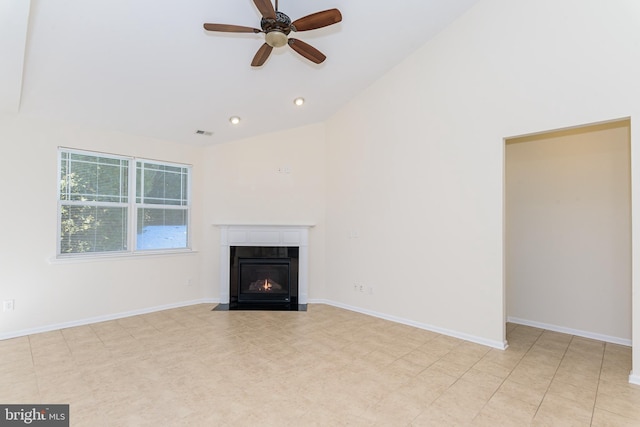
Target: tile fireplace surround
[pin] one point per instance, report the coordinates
(264, 235)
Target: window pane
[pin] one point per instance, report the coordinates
(162, 229)
(86, 229)
(93, 178)
(161, 184)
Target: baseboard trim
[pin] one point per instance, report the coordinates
(500, 345)
(570, 331)
(634, 379)
(98, 319)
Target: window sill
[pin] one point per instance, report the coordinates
(118, 256)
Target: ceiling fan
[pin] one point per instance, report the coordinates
(277, 26)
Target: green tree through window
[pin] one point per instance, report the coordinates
(95, 204)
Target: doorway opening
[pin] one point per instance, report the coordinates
(568, 231)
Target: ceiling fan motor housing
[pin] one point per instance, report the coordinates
(282, 23)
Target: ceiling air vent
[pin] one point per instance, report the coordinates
(204, 132)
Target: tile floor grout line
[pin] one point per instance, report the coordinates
(443, 391)
(554, 374)
(33, 364)
(593, 410)
(66, 342)
(507, 377)
(523, 356)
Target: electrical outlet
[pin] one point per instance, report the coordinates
(8, 305)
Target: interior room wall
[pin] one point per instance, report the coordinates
(416, 161)
(14, 19)
(568, 231)
(50, 293)
(277, 178)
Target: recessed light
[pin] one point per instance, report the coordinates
(234, 120)
(298, 101)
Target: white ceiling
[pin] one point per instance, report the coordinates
(148, 67)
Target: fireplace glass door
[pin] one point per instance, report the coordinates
(264, 279)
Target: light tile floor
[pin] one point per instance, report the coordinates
(324, 367)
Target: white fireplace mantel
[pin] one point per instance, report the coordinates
(264, 235)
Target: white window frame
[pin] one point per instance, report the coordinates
(136, 205)
(131, 205)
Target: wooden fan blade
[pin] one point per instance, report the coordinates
(317, 20)
(261, 55)
(230, 28)
(306, 50)
(266, 8)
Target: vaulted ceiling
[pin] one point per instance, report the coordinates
(148, 67)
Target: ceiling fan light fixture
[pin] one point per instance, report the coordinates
(298, 101)
(276, 38)
(234, 120)
(277, 26)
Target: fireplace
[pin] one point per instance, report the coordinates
(263, 275)
(263, 267)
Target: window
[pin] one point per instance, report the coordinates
(104, 206)
(162, 205)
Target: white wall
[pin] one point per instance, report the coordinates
(416, 161)
(568, 234)
(49, 293)
(244, 186)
